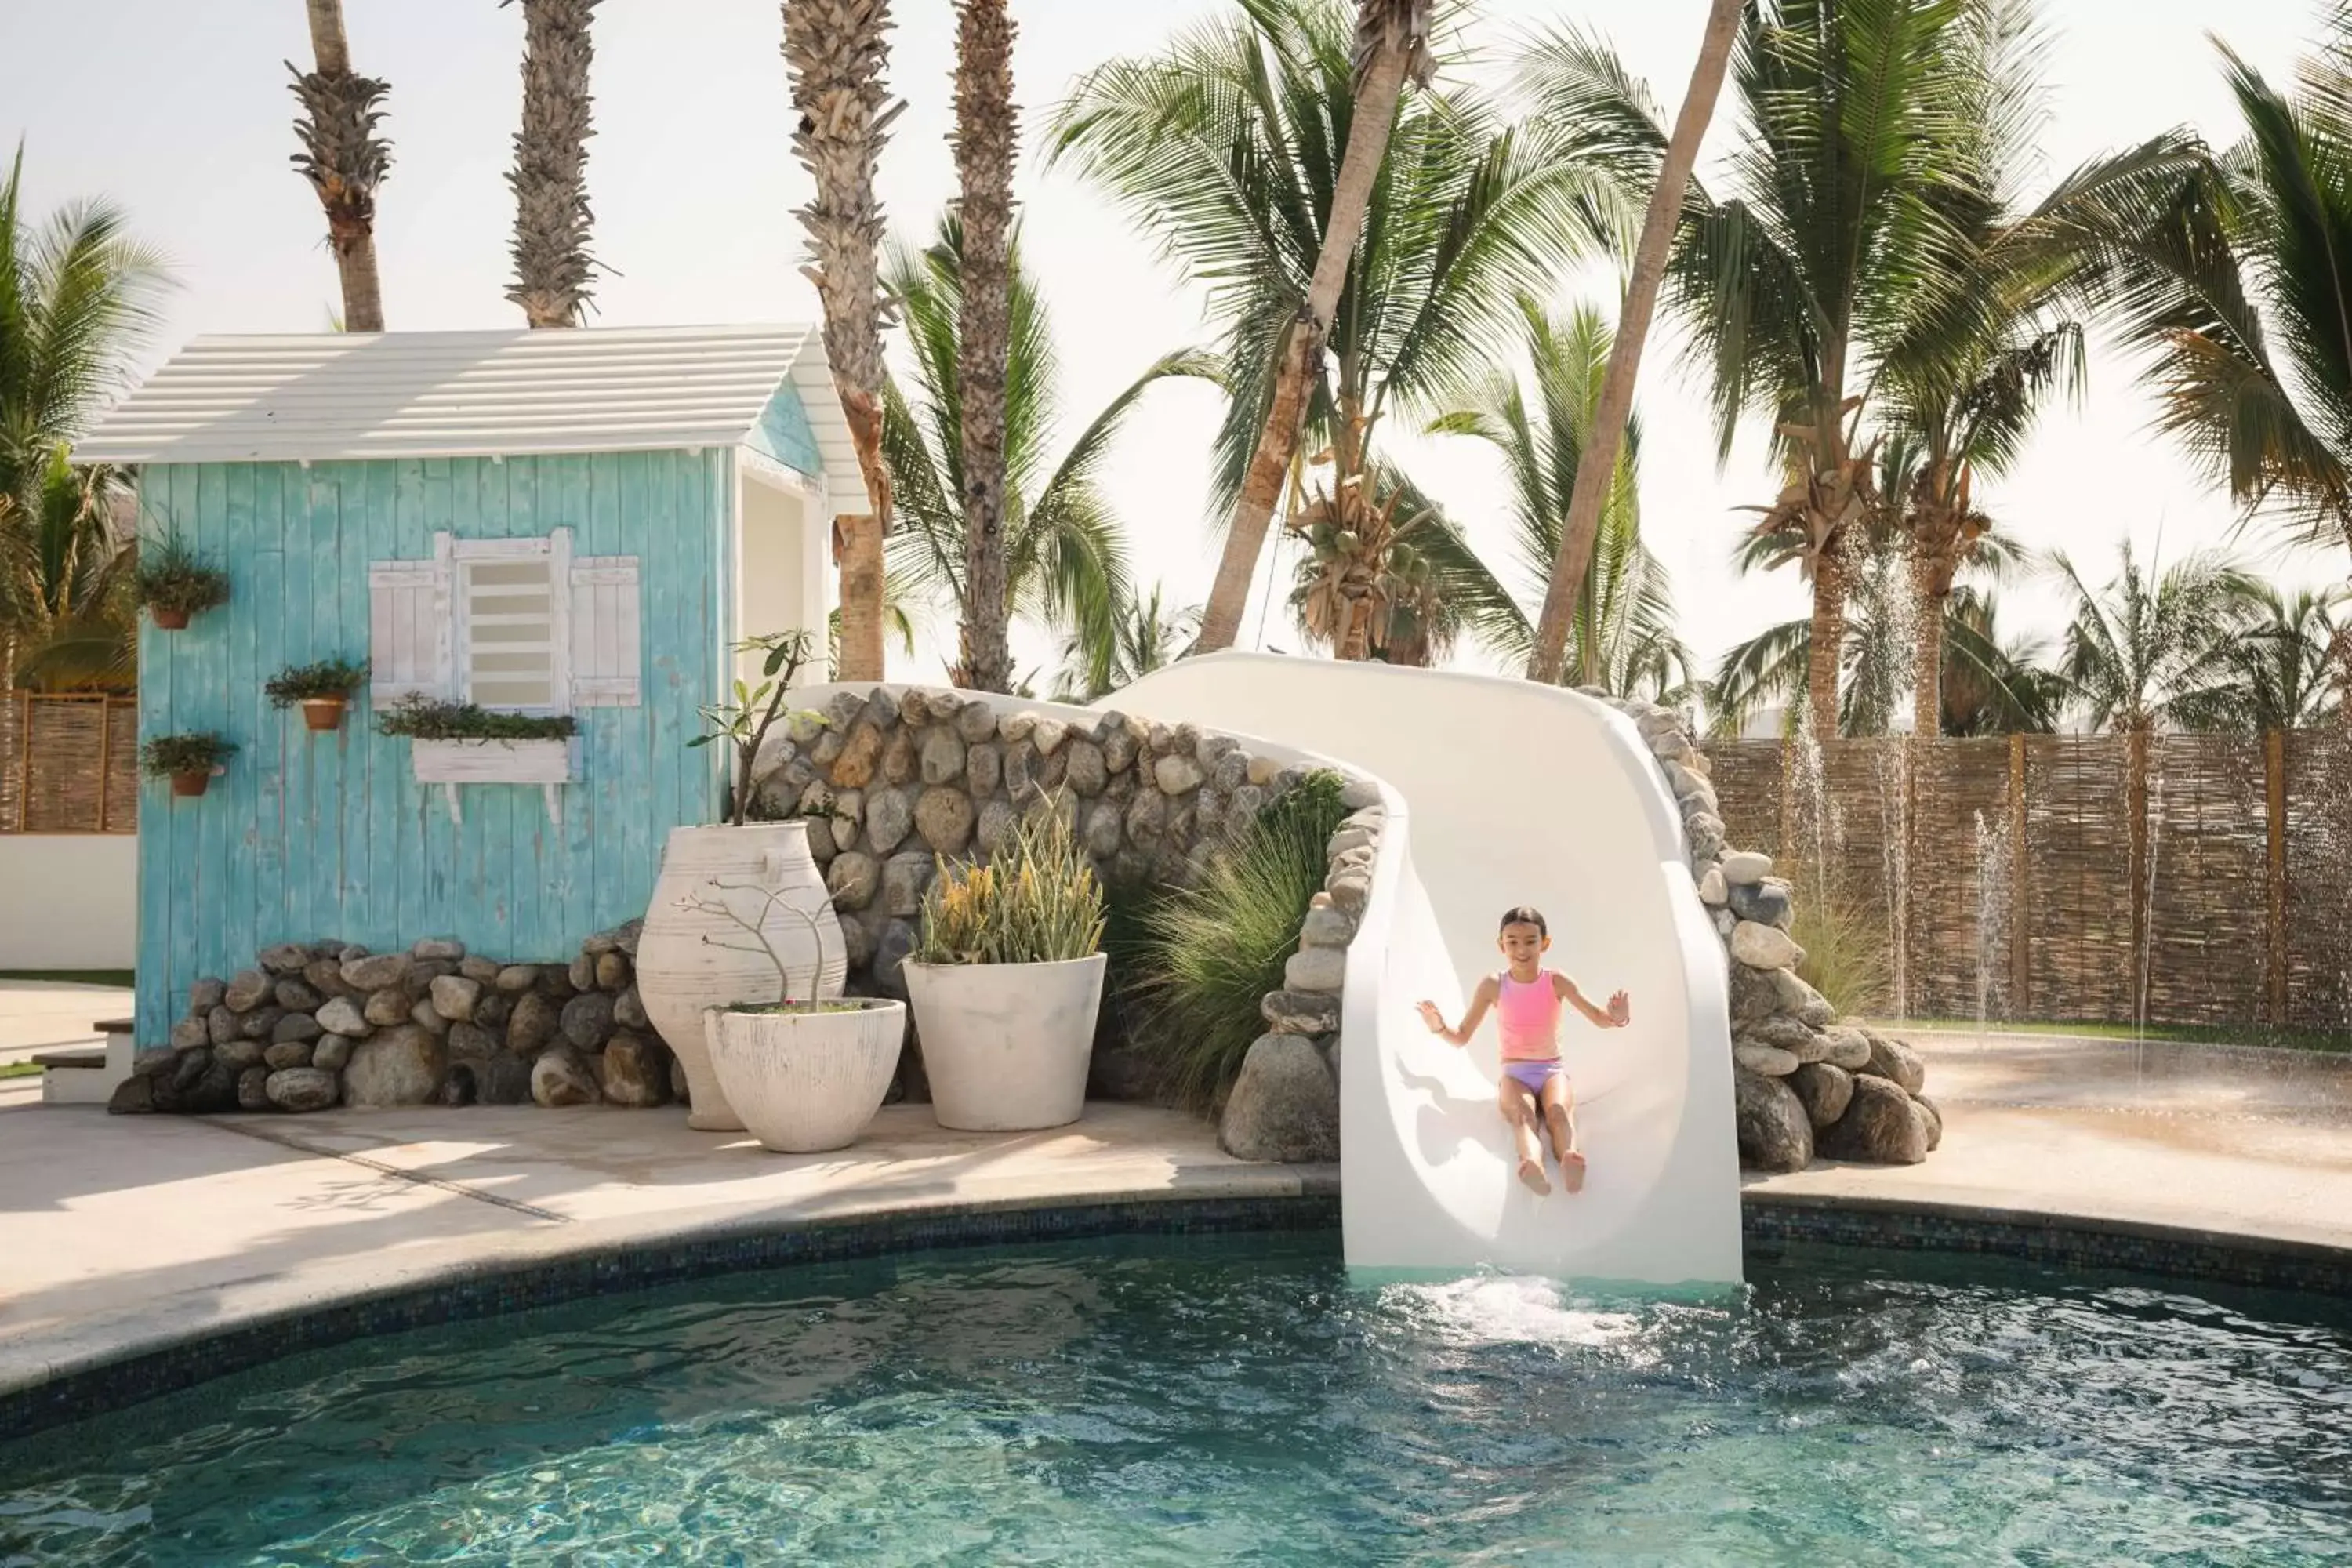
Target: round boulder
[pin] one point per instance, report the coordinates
(633, 1071)
(944, 817)
(1879, 1126)
(587, 1020)
(563, 1077)
(1826, 1090)
(400, 1065)
(1283, 1107)
(301, 1088)
(1775, 1134)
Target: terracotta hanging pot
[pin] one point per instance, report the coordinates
(323, 713)
(167, 620)
(189, 785)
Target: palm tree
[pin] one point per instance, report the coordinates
(1622, 635)
(2285, 675)
(1225, 150)
(1149, 634)
(66, 619)
(1998, 685)
(1065, 556)
(835, 52)
(986, 137)
(78, 297)
(552, 218)
(2225, 270)
(344, 158)
(1571, 574)
(1854, 153)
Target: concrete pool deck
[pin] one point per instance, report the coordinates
(123, 1234)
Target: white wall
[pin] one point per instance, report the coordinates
(69, 901)
(779, 584)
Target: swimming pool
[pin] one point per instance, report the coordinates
(1159, 1400)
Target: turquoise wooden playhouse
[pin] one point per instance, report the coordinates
(575, 522)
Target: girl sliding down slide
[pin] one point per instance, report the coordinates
(1527, 998)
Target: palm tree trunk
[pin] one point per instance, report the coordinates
(1597, 466)
(1824, 654)
(343, 160)
(1380, 86)
(552, 218)
(984, 137)
(1927, 651)
(835, 51)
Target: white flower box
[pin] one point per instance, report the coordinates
(550, 763)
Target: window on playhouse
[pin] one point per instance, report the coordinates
(523, 625)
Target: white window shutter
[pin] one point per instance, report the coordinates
(604, 642)
(408, 629)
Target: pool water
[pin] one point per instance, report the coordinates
(1234, 1400)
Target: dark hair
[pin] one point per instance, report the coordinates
(1524, 915)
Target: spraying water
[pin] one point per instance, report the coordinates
(1993, 872)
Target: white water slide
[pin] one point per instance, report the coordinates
(1501, 792)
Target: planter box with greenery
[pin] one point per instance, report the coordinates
(1008, 981)
(188, 761)
(454, 744)
(175, 583)
(321, 691)
(804, 1073)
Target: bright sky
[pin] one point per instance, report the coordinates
(181, 113)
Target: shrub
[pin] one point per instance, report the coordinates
(1036, 901)
(197, 753)
(1847, 955)
(1209, 952)
(423, 719)
(170, 576)
(305, 682)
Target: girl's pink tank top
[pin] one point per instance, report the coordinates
(1528, 1016)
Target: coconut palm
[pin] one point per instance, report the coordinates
(2282, 665)
(1226, 149)
(984, 138)
(1150, 635)
(2225, 273)
(835, 52)
(78, 298)
(344, 158)
(1997, 685)
(1622, 634)
(1571, 580)
(549, 179)
(1832, 237)
(2153, 650)
(1065, 556)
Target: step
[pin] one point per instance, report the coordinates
(88, 1075)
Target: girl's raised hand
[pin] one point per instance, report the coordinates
(1432, 1018)
(1620, 1011)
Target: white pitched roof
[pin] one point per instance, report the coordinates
(332, 395)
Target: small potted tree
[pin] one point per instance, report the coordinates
(1007, 983)
(322, 690)
(679, 974)
(175, 583)
(805, 1074)
(189, 761)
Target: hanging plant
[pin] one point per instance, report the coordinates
(175, 583)
(322, 689)
(188, 761)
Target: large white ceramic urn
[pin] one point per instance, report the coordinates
(698, 951)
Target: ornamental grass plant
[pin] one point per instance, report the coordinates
(173, 579)
(1209, 953)
(1036, 901)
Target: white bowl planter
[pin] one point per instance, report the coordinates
(681, 974)
(1006, 1045)
(807, 1078)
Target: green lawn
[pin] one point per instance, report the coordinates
(2172, 1034)
(72, 976)
(19, 1069)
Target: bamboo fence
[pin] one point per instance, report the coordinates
(2047, 877)
(69, 763)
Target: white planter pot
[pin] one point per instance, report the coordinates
(807, 1081)
(691, 959)
(1006, 1045)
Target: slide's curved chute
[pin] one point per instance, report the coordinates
(1501, 792)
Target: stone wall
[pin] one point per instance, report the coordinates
(1805, 1080)
(314, 1025)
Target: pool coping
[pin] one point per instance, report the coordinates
(550, 1268)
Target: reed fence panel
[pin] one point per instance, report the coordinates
(69, 763)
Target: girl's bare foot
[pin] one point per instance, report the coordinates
(1571, 1171)
(1531, 1172)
